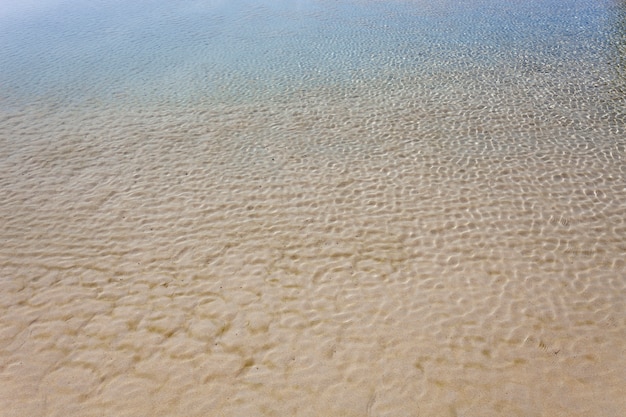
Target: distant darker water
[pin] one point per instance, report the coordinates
(243, 49)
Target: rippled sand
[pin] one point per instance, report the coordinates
(445, 244)
(312, 258)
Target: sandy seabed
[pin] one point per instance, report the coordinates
(422, 252)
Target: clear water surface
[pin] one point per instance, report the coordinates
(320, 208)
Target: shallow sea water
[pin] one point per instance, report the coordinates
(313, 208)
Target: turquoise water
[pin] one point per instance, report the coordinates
(241, 50)
(312, 208)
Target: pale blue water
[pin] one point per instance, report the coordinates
(241, 49)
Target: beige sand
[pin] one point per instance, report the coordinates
(415, 254)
